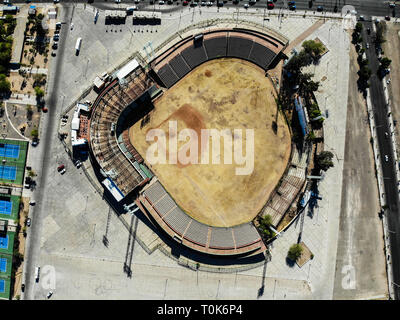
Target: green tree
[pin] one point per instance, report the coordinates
(313, 48)
(265, 224)
(385, 62)
(358, 27)
(39, 92)
(324, 160)
(35, 133)
(295, 252)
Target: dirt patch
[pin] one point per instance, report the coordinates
(306, 255)
(239, 98)
(208, 73)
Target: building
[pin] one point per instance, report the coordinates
(18, 42)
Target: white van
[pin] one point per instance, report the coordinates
(37, 274)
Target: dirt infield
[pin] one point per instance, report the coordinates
(220, 94)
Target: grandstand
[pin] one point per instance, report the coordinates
(117, 158)
(193, 50)
(161, 207)
(128, 99)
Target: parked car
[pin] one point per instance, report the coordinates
(28, 222)
(35, 143)
(386, 158)
(77, 163)
(320, 8)
(270, 4)
(246, 6)
(23, 287)
(54, 46)
(292, 5)
(387, 18)
(161, 2)
(392, 5)
(49, 294)
(56, 37)
(61, 169)
(185, 3)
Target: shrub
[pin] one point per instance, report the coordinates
(295, 252)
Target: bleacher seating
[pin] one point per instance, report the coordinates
(239, 47)
(177, 220)
(261, 56)
(197, 232)
(167, 76)
(179, 66)
(194, 56)
(216, 47)
(221, 238)
(245, 234)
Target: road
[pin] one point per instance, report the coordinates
(49, 135)
(363, 7)
(385, 147)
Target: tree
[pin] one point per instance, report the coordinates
(313, 48)
(385, 62)
(35, 133)
(324, 160)
(365, 73)
(265, 224)
(39, 92)
(295, 252)
(358, 27)
(4, 84)
(29, 112)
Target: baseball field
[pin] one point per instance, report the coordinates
(223, 94)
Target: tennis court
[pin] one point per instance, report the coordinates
(2, 286)
(5, 207)
(3, 264)
(9, 150)
(4, 242)
(8, 173)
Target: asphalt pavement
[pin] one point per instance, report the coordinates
(363, 7)
(386, 149)
(47, 138)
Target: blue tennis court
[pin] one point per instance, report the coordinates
(8, 173)
(2, 286)
(4, 242)
(3, 264)
(9, 150)
(5, 207)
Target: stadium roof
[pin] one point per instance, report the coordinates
(127, 69)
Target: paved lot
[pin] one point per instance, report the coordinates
(360, 247)
(74, 218)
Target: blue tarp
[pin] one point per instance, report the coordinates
(301, 115)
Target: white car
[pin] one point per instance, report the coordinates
(246, 5)
(367, 45)
(203, 3)
(49, 294)
(117, 1)
(161, 2)
(209, 4)
(386, 158)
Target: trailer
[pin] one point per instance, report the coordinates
(78, 45)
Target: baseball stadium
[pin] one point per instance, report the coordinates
(214, 77)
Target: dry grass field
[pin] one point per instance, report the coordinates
(221, 94)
